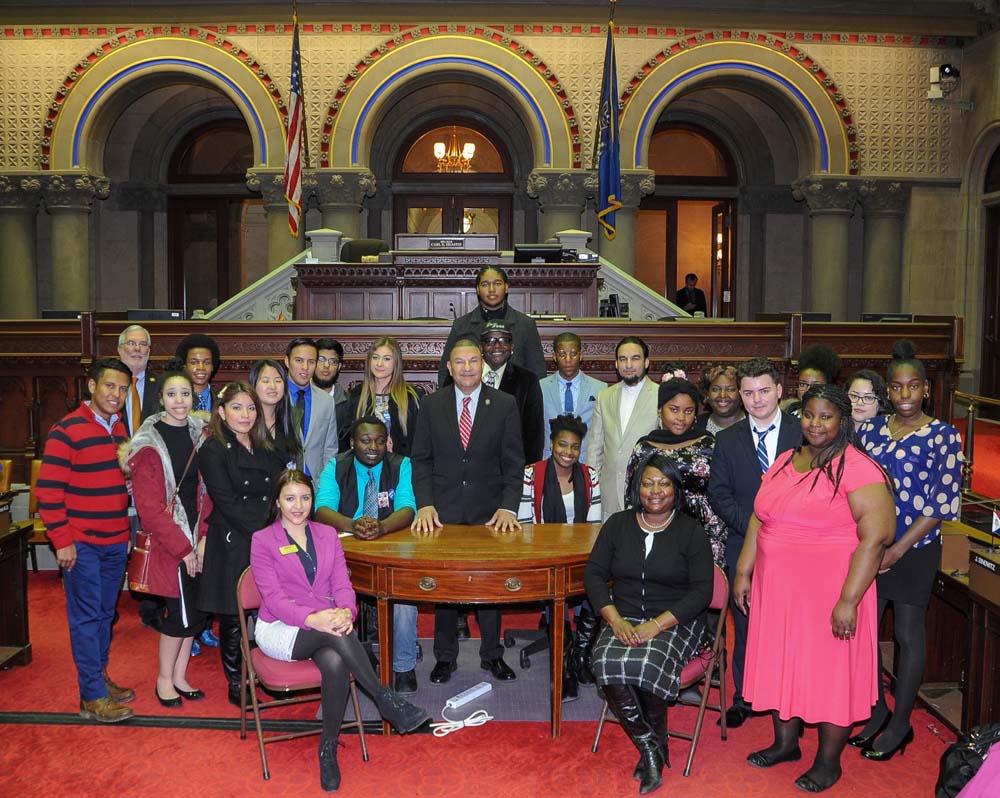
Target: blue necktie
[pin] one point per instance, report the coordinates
(762, 448)
(568, 401)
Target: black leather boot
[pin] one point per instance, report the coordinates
(625, 706)
(654, 709)
(571, 667)
(232, 656)
(404, 716)
(586, 630)
(329, 769)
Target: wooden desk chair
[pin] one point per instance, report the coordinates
(39, 536)
(708, 666)
(301, 677)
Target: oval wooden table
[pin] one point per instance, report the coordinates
(474, 565)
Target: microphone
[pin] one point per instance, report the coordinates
(451, 307)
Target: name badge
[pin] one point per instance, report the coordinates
(291, 548)
(383, 499)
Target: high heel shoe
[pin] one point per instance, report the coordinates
(865, 740)
(169, 703)
(883, 756)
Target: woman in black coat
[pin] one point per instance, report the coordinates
(239, 466)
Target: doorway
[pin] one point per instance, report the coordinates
(990, 364)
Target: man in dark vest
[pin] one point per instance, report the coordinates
(369, 492)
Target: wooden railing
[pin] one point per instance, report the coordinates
(43, 363)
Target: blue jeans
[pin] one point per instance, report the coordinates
(404, 637)
(92, 586)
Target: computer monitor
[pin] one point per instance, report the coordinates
(155, 314)
(537, 253)
(56, 313)
(904, 318)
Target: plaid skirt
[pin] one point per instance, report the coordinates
(656, 665)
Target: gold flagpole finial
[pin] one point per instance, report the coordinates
(614, 5)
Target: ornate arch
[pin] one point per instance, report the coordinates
(354, 112)
(140, 52)
(762, 57)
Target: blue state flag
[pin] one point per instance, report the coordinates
(609, 179)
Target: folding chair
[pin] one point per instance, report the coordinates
(708, 666)
(278, 676)
(39, 535)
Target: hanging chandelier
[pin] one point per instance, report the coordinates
(451, 158)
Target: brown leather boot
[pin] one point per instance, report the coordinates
(120, 694)
(104, 710)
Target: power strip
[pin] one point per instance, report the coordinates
(466, 696)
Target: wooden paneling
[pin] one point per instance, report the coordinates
(45, 361)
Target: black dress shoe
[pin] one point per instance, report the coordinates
(190, 695)
(498, 668)
(736, 716)
(884, 756)
(865, 740)
(762, 759)
(169, 703)
(405, 682)
(442, 671)
(234, 698)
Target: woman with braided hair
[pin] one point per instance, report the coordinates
(822, 519)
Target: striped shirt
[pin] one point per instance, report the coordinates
(81, 488)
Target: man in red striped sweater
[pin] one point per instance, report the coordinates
(83, 501)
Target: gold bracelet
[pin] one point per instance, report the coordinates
(657, 622)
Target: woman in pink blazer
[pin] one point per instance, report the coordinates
(307, 611)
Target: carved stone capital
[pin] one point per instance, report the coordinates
(827, 195)
(557, 188)
(270, 183)
(20, 191)
(339, 188)
(637, 184)
(884, 197)
(74, 190)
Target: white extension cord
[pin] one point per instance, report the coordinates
(478, 718)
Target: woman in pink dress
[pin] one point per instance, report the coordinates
(822, 519)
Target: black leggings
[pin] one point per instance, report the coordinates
(910, 631)
(337, 658)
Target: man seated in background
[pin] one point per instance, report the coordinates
(369, 492)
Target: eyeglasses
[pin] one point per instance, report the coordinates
(331, 360)
(805, 386)
(136, 345)
(493, 340)
(862, 398)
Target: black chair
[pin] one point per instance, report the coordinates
(352, 251)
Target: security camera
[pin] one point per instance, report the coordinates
(944, 80)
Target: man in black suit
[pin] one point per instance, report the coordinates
(134, 346)
(500, 373)
(491, 289)
(743, 452)
(690, 297)
(468, 466)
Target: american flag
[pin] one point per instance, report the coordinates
(293, 156)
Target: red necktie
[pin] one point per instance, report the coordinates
(465, 423)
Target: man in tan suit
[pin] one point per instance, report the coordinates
(625, 412)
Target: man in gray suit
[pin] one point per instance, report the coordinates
(314, 413)
(569, 390)
(625, 412)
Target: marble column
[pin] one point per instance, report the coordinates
(884, 203)
(341, 195)
(69, 198)
(621, 250)
(282, 246)
(19, 197)
(562, 195)
(831, 204)
(146, 200)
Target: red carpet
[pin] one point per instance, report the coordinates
(499, 759)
